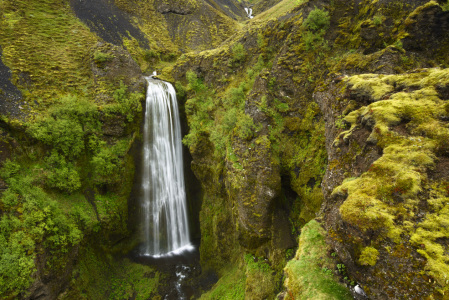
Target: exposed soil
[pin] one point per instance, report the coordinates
(441, 170)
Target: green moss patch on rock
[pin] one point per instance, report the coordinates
(311, 274)
(395, 201)
(103, 276)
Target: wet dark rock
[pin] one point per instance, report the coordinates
(10, 95)
(183, 7)
(428, 30)
(232, 8)
(443, 91)
(105, 19)
(117, 66)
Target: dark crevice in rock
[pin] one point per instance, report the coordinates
(89, 194)
(174, 13)
(443, 92)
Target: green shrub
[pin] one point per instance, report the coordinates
(238, 53)
(61, 174)
(195, 83)
(316, 24)
(108, 161)
(70, 120)
(30, 217)
(180, 91)
(150, 55)
(377, 20)
(101, 57)
(317, 20)
(65, 135)
(245, 127)
(127, 104)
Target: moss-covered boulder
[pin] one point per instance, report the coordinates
(312, 273)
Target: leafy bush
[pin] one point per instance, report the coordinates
(107, 161)
(317, 20)
(127, 104)
(61, 174)
(69, 121)
(101, 57)
(316, 24)
(377, 20)
(369, 256)
(65, 135)
(29, 217)
(238, 53)
(245, 127)
(150, 55)
(195, 83)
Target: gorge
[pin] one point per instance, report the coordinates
(314, 141)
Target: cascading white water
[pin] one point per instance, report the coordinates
(164, 212)
(249, 12)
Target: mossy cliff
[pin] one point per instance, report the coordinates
(265, 110)
(71, 97)
(315, 120)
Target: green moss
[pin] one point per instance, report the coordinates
(230, 286)
(100, 276)
(393, 186)
(369, 256)
(309, 273)
(46, 47)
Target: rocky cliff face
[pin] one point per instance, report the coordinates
(292, 73)
(327, 110)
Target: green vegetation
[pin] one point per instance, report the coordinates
(100, 276)
(48, 43)
(392, 186)
(127, 104)
(310, 273)
(261, 280)
(30, 217)
(316, 24)
(43, 211)
(369, 256)
(221, 119)
(100, 57)
(229, 287)
(445, 6)
(238, 54)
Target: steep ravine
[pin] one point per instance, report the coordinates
(316, 131)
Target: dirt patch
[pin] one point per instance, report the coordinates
(401, 128)
(441, 170)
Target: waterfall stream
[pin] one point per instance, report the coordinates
(249, 12)
(163, 201)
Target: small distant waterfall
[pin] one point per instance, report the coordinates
(249, 12)
(163, 203)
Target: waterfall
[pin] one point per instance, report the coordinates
(163, 200)
(249, 12)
